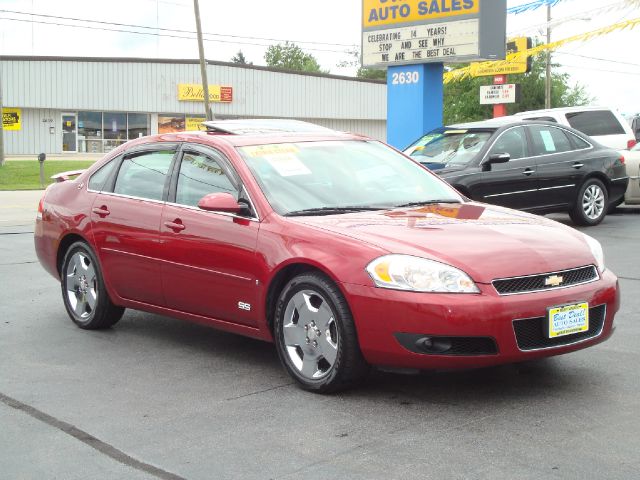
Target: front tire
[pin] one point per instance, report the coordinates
(316, 337)
(591, 203)
(83, 292)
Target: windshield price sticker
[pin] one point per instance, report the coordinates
(421, 43)
(568, 319)
(273, 149)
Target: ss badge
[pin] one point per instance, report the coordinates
(244, 306)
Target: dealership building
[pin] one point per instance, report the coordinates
(74, 105)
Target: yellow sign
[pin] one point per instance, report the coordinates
(192, 92)
(376, 13)
(194, 124)
(11, 118)
(506, 67)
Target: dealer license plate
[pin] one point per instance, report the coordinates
(568, 319)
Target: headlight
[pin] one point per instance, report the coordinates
(404, 272)
(596, 250)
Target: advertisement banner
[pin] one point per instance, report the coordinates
(11, 118)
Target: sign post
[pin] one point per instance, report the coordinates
(500, 109)
(413, 39)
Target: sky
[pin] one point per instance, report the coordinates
(608, 66)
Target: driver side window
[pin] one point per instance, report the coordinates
(513, 142)
(200, 175)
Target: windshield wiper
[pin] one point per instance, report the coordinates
(428, 202)
(330, 210)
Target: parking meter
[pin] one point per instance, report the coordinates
(41, 158)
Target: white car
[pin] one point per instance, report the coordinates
(605, 125)
(632, 162)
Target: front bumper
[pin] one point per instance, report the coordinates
(381, 313)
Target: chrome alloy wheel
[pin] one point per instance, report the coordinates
(593, 202)
(81, 285)
(310, 334)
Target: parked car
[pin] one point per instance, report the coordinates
(635, 127)
(605, 125)
(632, 195)
(528, 165)
(339, 249)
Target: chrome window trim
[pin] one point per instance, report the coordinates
(224, 214)
(132, 197)
(597, 277)
(564, 344)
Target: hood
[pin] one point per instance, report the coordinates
(486, 242)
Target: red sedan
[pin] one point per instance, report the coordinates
(339, 249)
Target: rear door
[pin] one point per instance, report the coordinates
(209, 264)
(513, 184)
(125, 222)
(562, 163)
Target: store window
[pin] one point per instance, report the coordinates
(90, 132)
(138, 125)
(115, 130)
(169, 123)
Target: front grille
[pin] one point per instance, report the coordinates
(536, 283)
(531, 332)
(439, 345)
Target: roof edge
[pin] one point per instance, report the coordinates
(29, 58)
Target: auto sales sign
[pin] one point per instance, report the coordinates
(401, 32)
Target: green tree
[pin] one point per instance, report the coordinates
(240, 58)
(462, 104)
(289, 56)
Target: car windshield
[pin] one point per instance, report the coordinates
(342, 176)
(448, 147)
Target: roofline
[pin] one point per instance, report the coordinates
(27, 58)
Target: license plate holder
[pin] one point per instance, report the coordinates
(567, 319)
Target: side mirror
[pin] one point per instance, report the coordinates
(495, 158)
(498, 158)
(220, 202)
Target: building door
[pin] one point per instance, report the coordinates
(69, 132)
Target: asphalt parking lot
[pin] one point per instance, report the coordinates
(160, 398)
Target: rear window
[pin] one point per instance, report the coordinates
(595, 122)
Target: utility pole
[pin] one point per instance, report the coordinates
(547, 78)
(203, 63)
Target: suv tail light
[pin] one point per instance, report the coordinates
(631, 143)
(621, 159)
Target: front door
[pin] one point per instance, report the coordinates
(209, 264)
(513, 184)
(69, 132)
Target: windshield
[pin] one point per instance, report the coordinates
(448, 147)
(351, 175)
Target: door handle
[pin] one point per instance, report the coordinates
(528, 171)
(176, 225)
(578, 165)
(102, 211)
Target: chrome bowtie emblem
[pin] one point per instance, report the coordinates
(553, 281)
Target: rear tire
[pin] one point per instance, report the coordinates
(591, 203)
(316, 337)
(83, 291)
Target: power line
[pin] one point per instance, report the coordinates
(119, 30)
(599, 59)
(598, 69)
(57, 17)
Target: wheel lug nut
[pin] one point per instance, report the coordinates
(307, 340)
(315, 344)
